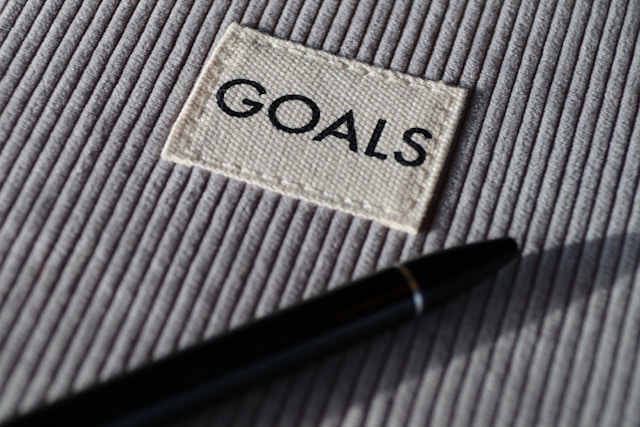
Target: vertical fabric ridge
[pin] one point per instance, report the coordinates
(180, 184)
(498, 105)
(3, 6)
(23, 54)
(176, 274)
(42, 89)
(273, 403)
(450, 372)
(571, 314)
(429, 44)
(520, 336)
(334, 44)
(13, 304)
(480, 107)
(387, 251)
(105, 341)
(527, 382)
(499, 327)
(8, 18)
(270, 17)
(457, 326)
(38, 134)
(403, 398)
(211, 287)
(376, 27)
(241, 267)
(415, 413)
(628, 375)
(440, 55)
(275, 287)
(253, 13)
(367, 378)
(414, 23)
(601, 133)
(20, 27)
(301, 27)
(556, 264)
(13, 84)
(600, 409)
(463, 42)
(90, 251)
(305, 21)
(152, 283)
(196, 274)
(164, 173)
(345, 267)
(521, 97)
(628, 399)
(389, 378)
(165, 344)
(290, 212)
(351, 42)
(45, 205)
(390, 38)
(319, 274)
(569, 66)
(322, 24)
(341, 386)
(264, 260)
(523, 85)
(438, 411)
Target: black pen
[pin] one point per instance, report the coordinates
(226, 364)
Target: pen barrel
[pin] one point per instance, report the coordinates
(223, 365)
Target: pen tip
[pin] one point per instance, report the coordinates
(447, 273)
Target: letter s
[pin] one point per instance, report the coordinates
(422, 153)
(255, 106)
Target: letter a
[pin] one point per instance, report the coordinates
(332, 130)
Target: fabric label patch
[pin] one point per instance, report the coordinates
(318, 127)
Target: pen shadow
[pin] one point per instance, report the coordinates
(525, 293)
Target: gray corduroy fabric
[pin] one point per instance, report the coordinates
(110, 257)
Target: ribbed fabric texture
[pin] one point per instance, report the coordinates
(110, 257)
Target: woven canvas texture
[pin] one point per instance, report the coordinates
(111, 257)
(318, 127)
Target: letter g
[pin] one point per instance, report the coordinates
(255, 106)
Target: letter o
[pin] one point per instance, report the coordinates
(315, 114)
